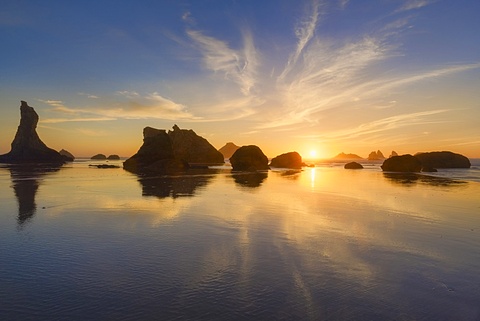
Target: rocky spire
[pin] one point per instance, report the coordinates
(27, 147)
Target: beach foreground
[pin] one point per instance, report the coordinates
(324, 243)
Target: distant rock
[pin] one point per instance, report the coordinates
(104, 166)
(99, 157)
(27, 147)
(404, 163)
(393, 153)
(249, 158)
(353, 165)
(191, 148)
(287, 160)
(228, 150)
(378, 155)
(113, 157)
(155, 155)
(343, 156)
(67, 155)
(429, 169)
(443, 160)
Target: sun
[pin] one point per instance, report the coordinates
(313, 153)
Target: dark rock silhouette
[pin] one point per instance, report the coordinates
(67, 155)
(378, 155)
(27, 147)
(99, 157)
(404, 163)
(428, 169)
(228, 150)
(353, 165)
(443, 160)
(155, 155)
(393, 153)
(287, 160)
(191, 148)
(249, 158)
(343, 156)
(113, 157)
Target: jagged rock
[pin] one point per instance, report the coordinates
(67, 155)
(113, 157)
(343, 156)
(155, 155)
(99, 157)
(191, 148)
(287, 160)
(249, 158)
(27, 147)
(353, 165)
(404, 163)
(393, 153)
(228, 150)
(443, 160)
(378, 155)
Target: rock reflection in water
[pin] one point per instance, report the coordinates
(176, 186)
(25, 182)
(410, 179)
(250, 179)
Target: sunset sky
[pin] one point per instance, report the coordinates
(287, 75)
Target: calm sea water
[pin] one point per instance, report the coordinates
(82, 243)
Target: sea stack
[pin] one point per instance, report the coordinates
(27, 147)
(249, 158)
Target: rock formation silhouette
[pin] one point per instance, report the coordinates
(67, 155)
(27, 147)
(287, 160)
(155, 155)
(228, 150)
(353, 165)
(404, 163)
(193, 149)
(249, 158)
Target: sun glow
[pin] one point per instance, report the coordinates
(313, 154)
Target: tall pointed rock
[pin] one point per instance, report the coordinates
(27, 147)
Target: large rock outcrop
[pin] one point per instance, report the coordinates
(193, 149)
(27, 147)
(228, 150)
(249, 158)
(404, 163)
(287, 160)
(443, 160)
(155, 155)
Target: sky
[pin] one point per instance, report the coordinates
(318, 77)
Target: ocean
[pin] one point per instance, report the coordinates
(324, 243)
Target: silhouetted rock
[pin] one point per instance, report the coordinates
(104, 166)
(191, 148)
(404, 163)
(99, 157)
(287, 160)
(353, 165)
(155, 155)
(393, 153)
(228, 150)
(343, 156)
(443, 160)
(27, 146)
(113, 157)
(378, 155)
(249, 158)
(67, 155)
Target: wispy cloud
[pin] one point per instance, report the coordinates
(304, 32)
(414, 4)
(150, 106)
(238, 66)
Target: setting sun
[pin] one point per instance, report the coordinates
(313, 154)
